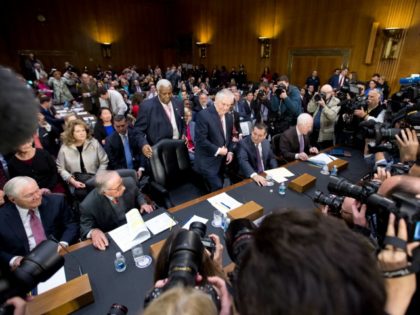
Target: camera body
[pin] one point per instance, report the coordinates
(207, 242)
(320, 96)
(281, 88)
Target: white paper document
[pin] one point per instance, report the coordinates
(194, 218)
(279, 174)
(224, 203)
(160, 223)
(321, 159)
(131, 234)
(56, 280)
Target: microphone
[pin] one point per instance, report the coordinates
(79, 266)
(19, 109)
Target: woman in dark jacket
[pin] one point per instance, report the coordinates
(103, 127)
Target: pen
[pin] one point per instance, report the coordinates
(223, 204)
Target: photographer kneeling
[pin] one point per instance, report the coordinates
(324, 108)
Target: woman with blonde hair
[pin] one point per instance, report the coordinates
(80, 156)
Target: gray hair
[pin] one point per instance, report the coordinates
(13, 187)
(304, 119)
(102, 178)
(223, 94)
(163, 83)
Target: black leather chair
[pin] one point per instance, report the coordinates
(173, 180)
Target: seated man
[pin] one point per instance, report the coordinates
(104, 208)
(255, 154)
(29, 218)
(294, 142)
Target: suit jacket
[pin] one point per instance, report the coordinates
(114, 148)
(289, 144)
(90, 103)
(96, 210)
(335, 81)
(56, 219)
(153, 125)
(247, 156)
(244, 110)
(50, 118)
(209, 138)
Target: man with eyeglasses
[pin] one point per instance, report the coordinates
(105, 207)
(30, 218)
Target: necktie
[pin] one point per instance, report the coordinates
(115, 201)
(168, 111)
(127, 152)
(36, 227)
(301, 144)
(341, 81)
(37, 141)
(223, 127)
(260, 166)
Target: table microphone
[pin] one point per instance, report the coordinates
(79, 266)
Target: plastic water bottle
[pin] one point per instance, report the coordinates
(334, 171)
(225, 222)
(119, 262)
(282, 189)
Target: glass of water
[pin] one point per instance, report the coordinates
(140, 259)
(217, 219)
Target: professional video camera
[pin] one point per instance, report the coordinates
(38, 266)
(184, 262)
(402, 205)
(333, 202)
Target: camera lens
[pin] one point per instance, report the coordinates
(118, 309)
(341, 186)
(199, 228)
(237, 237)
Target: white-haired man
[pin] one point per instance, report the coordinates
(29, 218)
(160, 117)
(104, 208)
(294, 142)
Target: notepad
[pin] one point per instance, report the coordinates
(321, 159)
(224, 203)
(279, 174)
(160, 223)
(132, 233)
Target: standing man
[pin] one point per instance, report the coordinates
(287, 103)
(325, 112)
(160, 117)
(113, 100)
(214, 139)
(339, 80)
(294, 142)
(314, 80)
(89, 92)
(255, 154)
(29, 218)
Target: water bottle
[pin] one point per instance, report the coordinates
(334, 171)
(282, 189)
(225, 222)
(119, 262)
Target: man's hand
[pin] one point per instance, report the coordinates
(147, 151)
(361, 113)
(359, 214)
(401, 289)
(223, 151)
(225, 298)
(321, 102)
(146, 208)
(218, 253)
(261, 181)
(229, 158)
(19, 305)
(381, 174)
(99, 239)
(283, 95)
(45, 191)
(302, 156)
(408, 145)
(313, 150)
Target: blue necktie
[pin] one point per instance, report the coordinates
(127, 152)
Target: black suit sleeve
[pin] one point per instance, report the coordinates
(286, 147)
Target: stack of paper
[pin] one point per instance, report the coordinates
(321, 159)
(131, 234)
(279, 174)
(224, 203)
(160, 223)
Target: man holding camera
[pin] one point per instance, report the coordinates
(324, 108)
(287, 103)
(375, 110)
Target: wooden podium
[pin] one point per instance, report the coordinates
(64, 299)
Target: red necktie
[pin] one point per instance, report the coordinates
(36, 227)
(260, 167)
(115, 201)
(37, 141)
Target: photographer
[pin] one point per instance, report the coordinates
(260, 107)
(324, 108)
(287, 103)
(375, 111)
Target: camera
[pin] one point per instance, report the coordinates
(260, 94)
(343, 187)
(200, 228)
(184, 262)
(118, 309)
(281, 88)
(333, 202)
(320, 96)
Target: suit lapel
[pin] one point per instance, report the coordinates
(15, 224)
(218, 121)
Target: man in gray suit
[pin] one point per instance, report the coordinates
(105, 207)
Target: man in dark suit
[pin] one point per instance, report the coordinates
(339, 80)
(244, 107)
(160, 117)
(29, 218)
(294, 142)
(104, 208)
(89, 92)
(121, 147)
(255, 154)
(49, 113)
(213, 137)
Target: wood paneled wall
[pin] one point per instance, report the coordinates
(147, 32)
